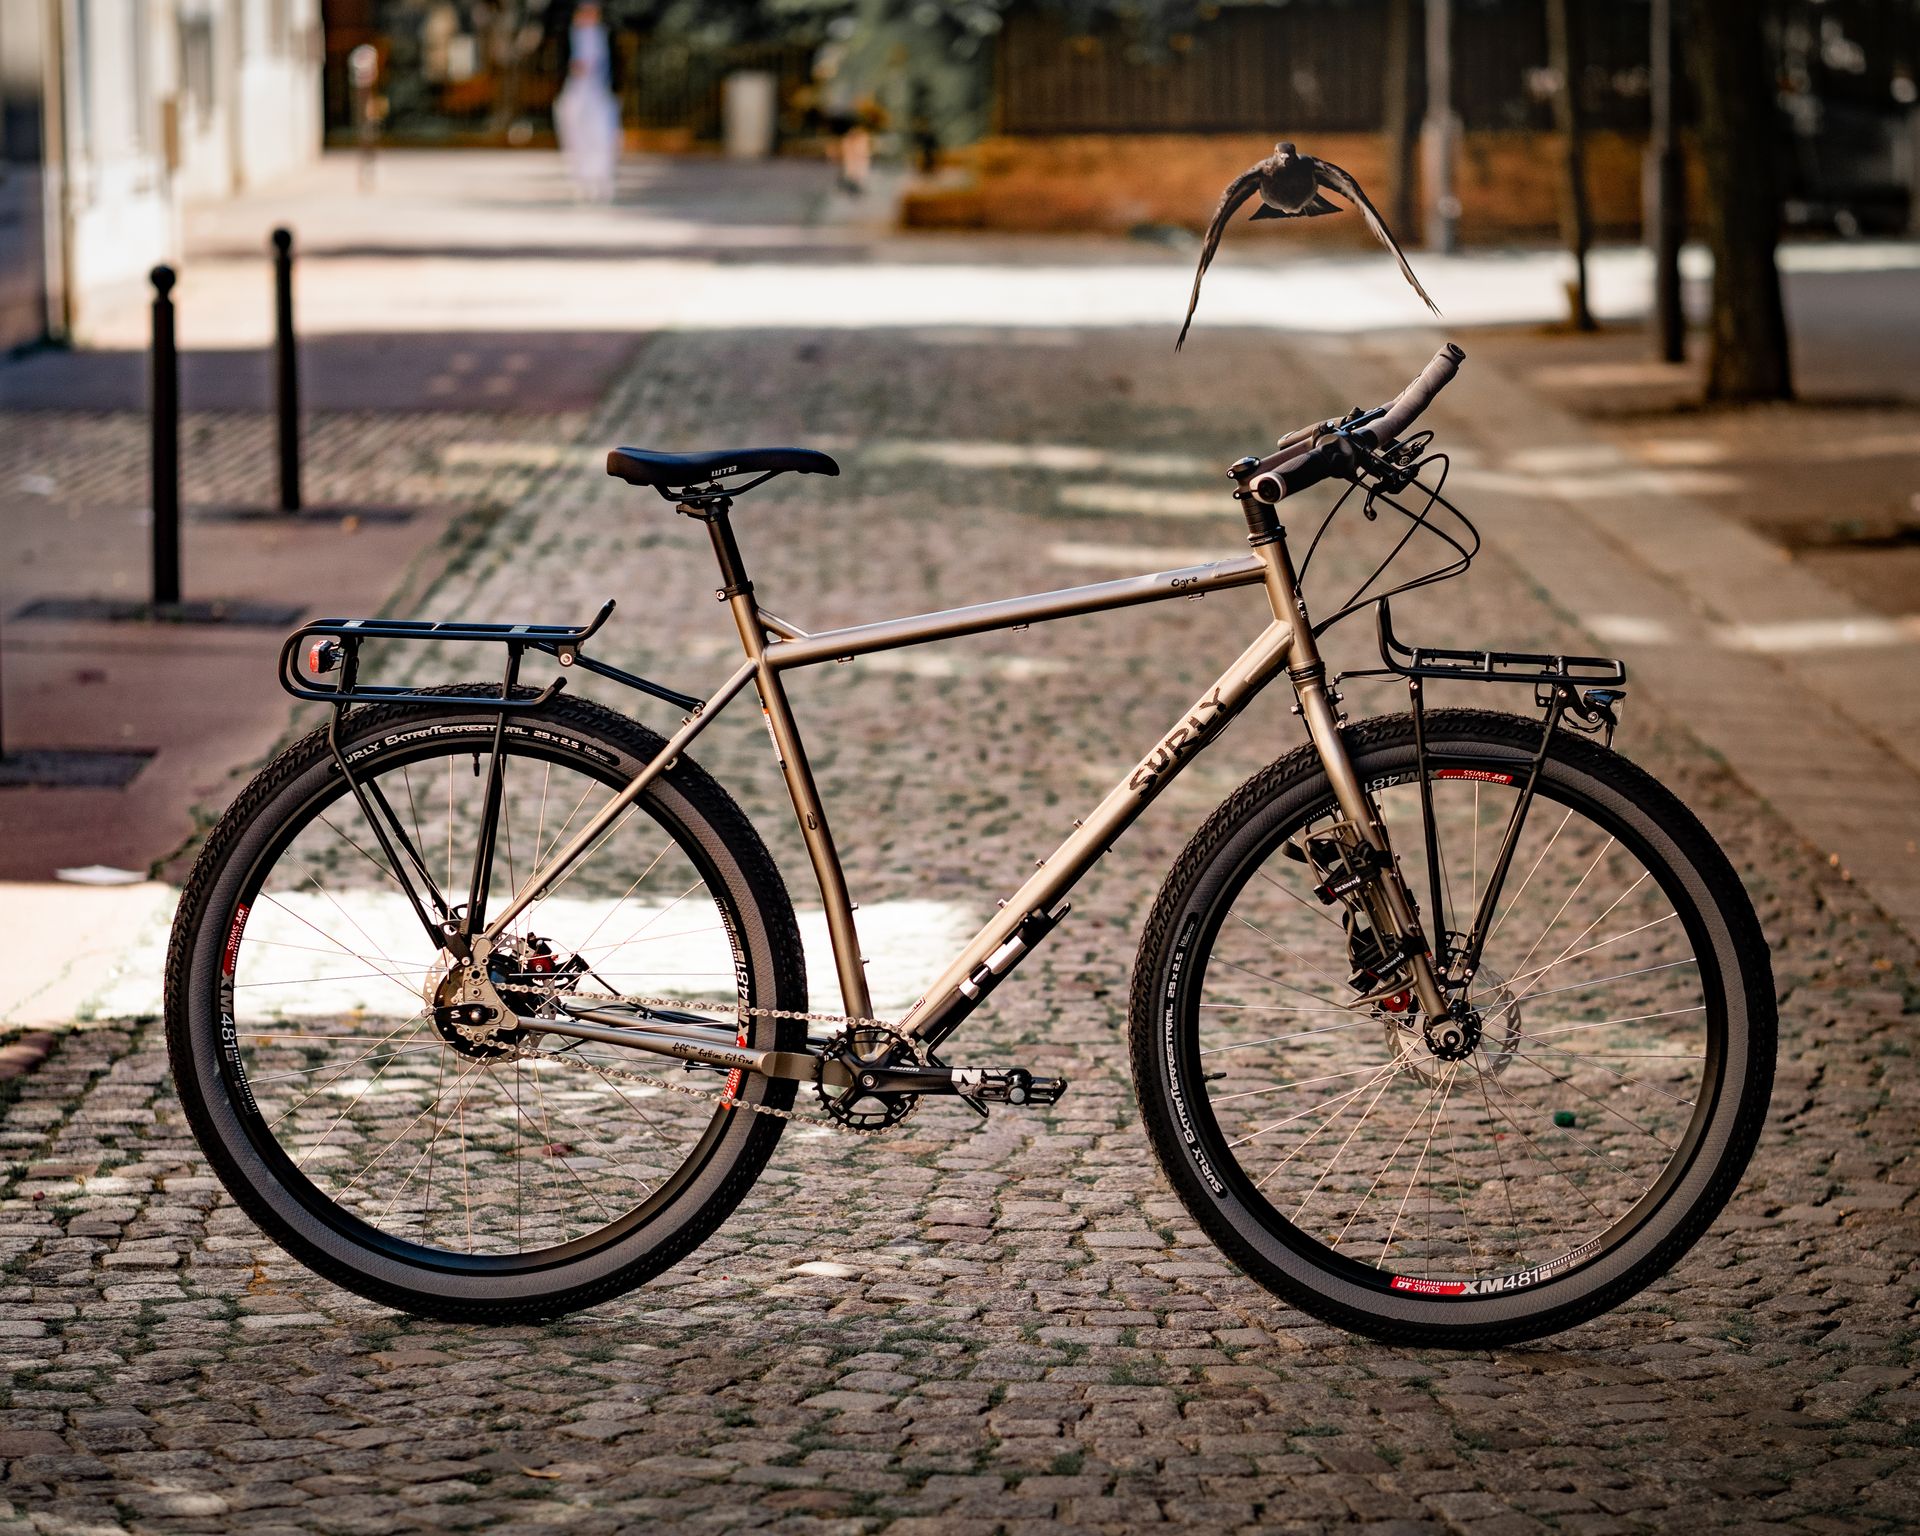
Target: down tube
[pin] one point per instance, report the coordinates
(943, 1004)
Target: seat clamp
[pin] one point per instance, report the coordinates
(739, 588)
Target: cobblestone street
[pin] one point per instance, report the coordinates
(961, 1328)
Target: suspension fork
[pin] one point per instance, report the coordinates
(1318, 707)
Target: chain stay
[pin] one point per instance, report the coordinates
(723, 1099)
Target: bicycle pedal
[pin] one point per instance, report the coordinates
(1008, 1085)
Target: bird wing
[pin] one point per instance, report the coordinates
(1334, 179)
(1243, 187)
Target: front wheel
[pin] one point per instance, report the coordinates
(1612, 1080)
(313, 1039)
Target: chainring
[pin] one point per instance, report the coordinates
(863, 1048)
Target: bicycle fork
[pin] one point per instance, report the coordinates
(1380, 886)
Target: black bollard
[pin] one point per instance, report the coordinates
(165, 460)
(286, 371)
(1668, 186)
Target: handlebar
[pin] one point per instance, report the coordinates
(1331, 447)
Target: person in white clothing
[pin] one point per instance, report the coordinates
(586, 114)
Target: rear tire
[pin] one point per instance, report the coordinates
(578, 1184)
(1473, 1255)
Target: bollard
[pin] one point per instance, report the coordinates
(286, 371)
(165, 457)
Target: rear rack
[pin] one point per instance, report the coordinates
(323, 646)
(1432, 661)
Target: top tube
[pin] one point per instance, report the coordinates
(1015, 612)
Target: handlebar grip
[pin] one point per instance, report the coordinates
(1288, 473)
(1404, 409)
(1292, 469)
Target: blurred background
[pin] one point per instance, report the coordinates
(1077, 115)
(950, 241)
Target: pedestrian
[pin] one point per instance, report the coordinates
(846, 118)
(586, 114)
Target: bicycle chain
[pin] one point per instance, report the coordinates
(723, 1099)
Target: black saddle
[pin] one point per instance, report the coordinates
(670, 471)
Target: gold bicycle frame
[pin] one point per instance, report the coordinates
(773, 647)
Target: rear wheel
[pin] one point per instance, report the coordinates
(308, 1018)
(1598, 1112)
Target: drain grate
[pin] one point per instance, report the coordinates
(71, 768)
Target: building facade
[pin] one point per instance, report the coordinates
(116, 114)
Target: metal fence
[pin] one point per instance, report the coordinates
(1318, 66)
(1306, 68)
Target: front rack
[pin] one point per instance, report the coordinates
(324, 646)
(1432, 661)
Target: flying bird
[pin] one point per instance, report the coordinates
(1290, 185)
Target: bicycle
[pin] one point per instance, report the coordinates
(487, 1003)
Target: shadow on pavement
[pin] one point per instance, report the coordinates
(513, 372)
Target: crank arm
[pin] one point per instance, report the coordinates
(991, 1085)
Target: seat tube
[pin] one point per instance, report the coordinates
(791, 754)
(1307, 671)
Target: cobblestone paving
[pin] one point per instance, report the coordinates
(68, 458)
(965, 1328)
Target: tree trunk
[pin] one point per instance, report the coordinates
(1397, 123)
(1576, 224)
(1747, 358)
(1665, 190)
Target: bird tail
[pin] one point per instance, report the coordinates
(1313, 210)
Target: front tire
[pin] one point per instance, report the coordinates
(1615, 1081)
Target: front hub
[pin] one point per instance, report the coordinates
(1455, 1037)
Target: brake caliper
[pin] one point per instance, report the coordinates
(1345, 866)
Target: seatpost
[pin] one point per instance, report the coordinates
(716, 515)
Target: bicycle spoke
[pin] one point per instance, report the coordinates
(1242, 1045)
(1405, 1137)
(1578, 887)
(1305, 1082)
(342, 1116)
(1625, 1081)
(1311, 1109)
(281, 1077)
(1288, 950)
(1587, 986)
(1592, 948)
(1592, 1098)
(1414, 1178)
(1333, 1162)
(1514, 900)
(1318, 911)
(348, 1067)
(1287, 986)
